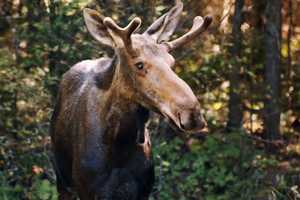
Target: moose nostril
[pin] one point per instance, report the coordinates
(191, 120)
(201, 121)
(203, 124)
(187, 121)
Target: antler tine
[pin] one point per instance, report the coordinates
(199, 26)
(126, 32)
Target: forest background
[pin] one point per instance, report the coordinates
(245, 71)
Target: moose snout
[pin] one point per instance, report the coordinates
(191, 120)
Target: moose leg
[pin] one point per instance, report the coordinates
(120, 186)
(127, 188)
(62, 169)
(93, 171)
(63, 192)
(93, 179)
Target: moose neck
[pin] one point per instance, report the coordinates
(120, 112)
(120, 87)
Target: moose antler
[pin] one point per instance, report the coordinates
(199, 26)
(123, 33)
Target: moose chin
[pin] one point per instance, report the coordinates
(101, 147)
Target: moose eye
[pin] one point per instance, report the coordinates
(139, 65)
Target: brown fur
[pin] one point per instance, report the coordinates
(102, 149)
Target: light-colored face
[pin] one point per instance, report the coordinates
(157, 87)
(146, 65)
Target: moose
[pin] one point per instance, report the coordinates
(100, 143)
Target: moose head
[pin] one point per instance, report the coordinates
(143, 73)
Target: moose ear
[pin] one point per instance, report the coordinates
(96, 27)
(163, 27)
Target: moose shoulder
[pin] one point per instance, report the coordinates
(101, 147)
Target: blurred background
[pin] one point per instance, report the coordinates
(245, 71)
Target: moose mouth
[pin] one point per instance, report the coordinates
(176, 123)
(180, 122)
(175, 120)
(172, 123)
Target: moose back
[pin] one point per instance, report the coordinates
(101, 147)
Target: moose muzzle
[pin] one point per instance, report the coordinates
(187, 117)
(191, 120)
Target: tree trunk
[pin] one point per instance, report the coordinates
(235, 116)
(272, 38)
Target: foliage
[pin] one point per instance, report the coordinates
(42, 39)
(220, 168)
